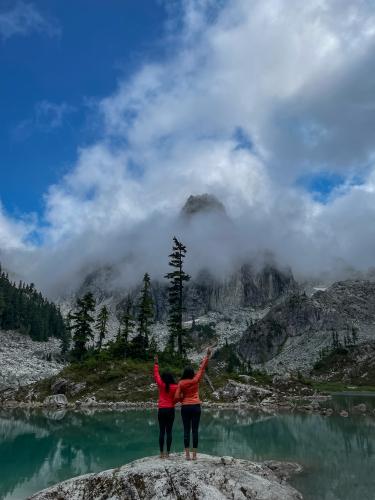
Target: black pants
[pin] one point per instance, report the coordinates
(166, 419)
(191, 415)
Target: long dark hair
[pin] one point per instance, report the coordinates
(188, 373)
(168, 379)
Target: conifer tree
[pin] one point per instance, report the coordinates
(354, 335)
(120, 347)
(2, 304)
(101, 325)
(146, 308)
(127, 321)
(177, 277)
(193, 302)
(67, 337)
(82, 321)
(152, 347)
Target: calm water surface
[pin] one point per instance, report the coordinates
(40, 449)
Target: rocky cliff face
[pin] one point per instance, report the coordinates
(293, 332)
(206, 479)
(245, 287)
(354, 367)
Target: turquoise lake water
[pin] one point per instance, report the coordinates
(39, 449)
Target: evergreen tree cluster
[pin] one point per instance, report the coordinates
(25, 309)
(133, 339)
(83, 327)
(350, 341)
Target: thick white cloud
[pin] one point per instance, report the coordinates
(13, 233)
(296, 78)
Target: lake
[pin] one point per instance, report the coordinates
(38, 449)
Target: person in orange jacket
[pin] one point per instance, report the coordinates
(188, 393)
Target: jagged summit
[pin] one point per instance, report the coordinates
(202, 203)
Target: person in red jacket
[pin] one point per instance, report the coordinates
(167, 389)
(188, 393)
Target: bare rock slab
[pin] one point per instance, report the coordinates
(209, 478)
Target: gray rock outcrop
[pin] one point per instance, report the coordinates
(235, 391)
(59, 386)
(56, 400)
(293, 332)
(246, 286)
(206, 479)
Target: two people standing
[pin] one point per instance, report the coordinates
(187, 393)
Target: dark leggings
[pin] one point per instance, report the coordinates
(166, 419)
(191, 415)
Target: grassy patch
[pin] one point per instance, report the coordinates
(120, 380)
(336, 386)
(263, 378)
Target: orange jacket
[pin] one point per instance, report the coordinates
(188, 389)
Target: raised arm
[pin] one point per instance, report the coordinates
(202, 367)
(157, 377)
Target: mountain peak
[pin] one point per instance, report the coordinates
(202, 203)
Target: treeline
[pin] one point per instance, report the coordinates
(339, 344)
(25, 309)
(133, 338)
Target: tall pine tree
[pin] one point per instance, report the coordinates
(177, 277)
(145, 308)
(67, 337)
(120, 347)
(82, 321)
(138, 347)
(101, 325)
(127, 321)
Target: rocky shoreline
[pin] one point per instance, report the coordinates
(281, 396)
(310, 405)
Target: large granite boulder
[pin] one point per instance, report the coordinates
(237, 392)
(59, 386)
(55, 400)
(208, 478)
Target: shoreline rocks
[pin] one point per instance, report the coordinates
(175, 478)
(55, 400)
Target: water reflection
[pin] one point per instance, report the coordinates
(39, 449)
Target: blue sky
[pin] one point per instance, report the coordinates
(49, 80)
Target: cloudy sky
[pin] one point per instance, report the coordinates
(111, 115)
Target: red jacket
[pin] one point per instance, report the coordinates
(166, 399)
(188, 389)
